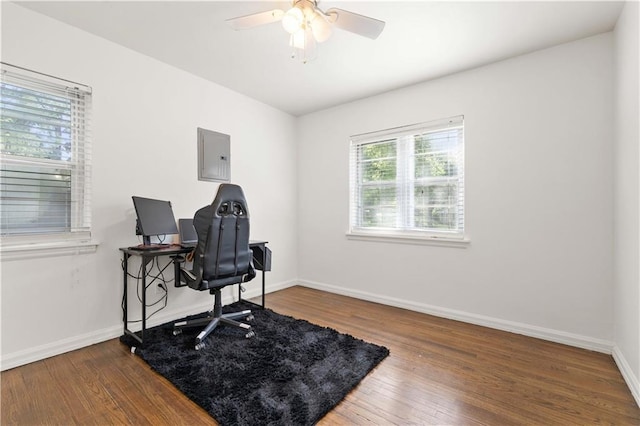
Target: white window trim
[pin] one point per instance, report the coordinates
(21, 246)
(393, 236)
(445, 239)
(26, 247)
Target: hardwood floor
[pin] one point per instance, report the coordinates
(439, 372)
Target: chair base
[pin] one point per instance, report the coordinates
(212, 321)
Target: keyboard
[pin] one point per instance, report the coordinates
(147, 247)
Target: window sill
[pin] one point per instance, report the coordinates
(33, 250)
(410, 239)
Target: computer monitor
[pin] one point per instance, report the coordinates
(155, 217)
(188, 234)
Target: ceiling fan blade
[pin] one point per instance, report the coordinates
(256, 19)
(355, 23)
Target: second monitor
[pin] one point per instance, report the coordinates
(155, 218)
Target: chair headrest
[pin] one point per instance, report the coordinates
(230, 200)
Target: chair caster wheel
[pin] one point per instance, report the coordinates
(177, 331)
(250, 334)
(199, 346)
(250, 318)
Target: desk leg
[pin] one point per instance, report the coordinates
(125, 280)
(263, 288)
(125, 301)
(144, 299)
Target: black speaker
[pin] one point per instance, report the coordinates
(261, 258)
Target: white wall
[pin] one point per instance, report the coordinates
(538, 134)
(145, 116)
(539, 211)
(627, 197)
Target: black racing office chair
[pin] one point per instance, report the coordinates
(222, 257)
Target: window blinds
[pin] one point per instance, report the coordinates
(45, 169)
(409, 179)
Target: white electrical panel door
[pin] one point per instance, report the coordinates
(214, 156)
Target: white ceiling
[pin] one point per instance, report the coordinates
(422, 40)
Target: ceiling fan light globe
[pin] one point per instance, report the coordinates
(321, 28)
(297, 40)
(292, 20)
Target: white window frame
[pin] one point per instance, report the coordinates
(76, 238)
(405, 230)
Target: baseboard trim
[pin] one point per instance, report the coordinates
(48, 350)
(556, 336)
(627, 373)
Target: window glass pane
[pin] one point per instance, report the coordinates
(443, 218)
(36, 199)
(440, 194)
(435, 164)
(35, 124)
(444, 140)
(378, 162)
(435, 154)
(379, 206)
(435, 206)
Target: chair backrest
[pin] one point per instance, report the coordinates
(223, 253)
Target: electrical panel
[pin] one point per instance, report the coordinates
(214, 156)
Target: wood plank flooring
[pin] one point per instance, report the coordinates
(439, 372)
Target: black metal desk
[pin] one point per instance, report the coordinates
(261, 259)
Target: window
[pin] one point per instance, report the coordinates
(45, 163)
(409, 181)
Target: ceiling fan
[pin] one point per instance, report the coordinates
(309, 25)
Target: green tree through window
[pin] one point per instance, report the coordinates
(378, 183)
(35, 124)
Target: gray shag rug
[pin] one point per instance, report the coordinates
(291, 372)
